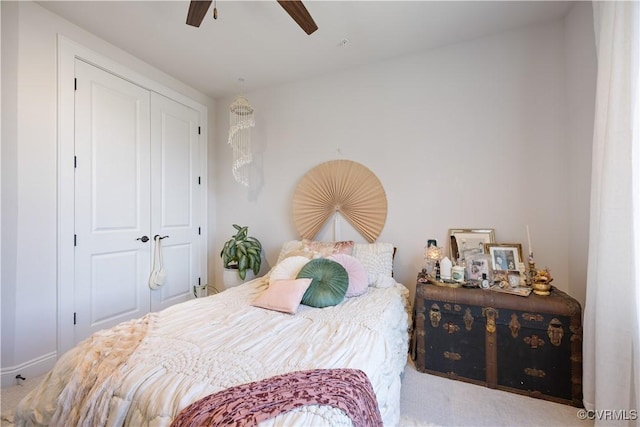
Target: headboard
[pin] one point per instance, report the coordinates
(340, 186)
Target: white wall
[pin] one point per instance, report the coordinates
(9, 176)
(29, 221)
(581, 89)
(466, 136)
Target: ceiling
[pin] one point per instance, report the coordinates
(258, 42)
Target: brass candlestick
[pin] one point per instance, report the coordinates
(531, 272)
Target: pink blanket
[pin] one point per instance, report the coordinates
(248, 404)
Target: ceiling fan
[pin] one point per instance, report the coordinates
(295, 9)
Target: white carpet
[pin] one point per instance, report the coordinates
(446, 402)
(10, 396)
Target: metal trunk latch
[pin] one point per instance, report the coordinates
(468, 319)
(435, 315)
(491, 315)
(514, 325)
(555, 332)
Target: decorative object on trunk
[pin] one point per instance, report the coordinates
(541, 282)
(445, 268)
(432, 255)
(466, 242)
(240, 123)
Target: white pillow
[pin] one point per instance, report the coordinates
(283, 295)
(377, 258)
(383, 281)
(288, 268)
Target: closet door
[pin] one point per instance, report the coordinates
(112, 200)
(176, 197)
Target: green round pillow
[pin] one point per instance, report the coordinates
(329, 282)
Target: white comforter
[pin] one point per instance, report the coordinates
(144, 372)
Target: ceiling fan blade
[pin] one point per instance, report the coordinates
(300, 14)
(197, 11)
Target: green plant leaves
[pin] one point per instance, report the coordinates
(242, 251)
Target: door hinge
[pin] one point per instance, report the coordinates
(199, 282)
(75, 162)
(75, 84)
(199, 182)
(75, 240)
(198, 130)
(199, 231)
(74, 318)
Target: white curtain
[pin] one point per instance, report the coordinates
(611, 346)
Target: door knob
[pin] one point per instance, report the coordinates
(143, 238)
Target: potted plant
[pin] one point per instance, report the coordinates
(241, 254)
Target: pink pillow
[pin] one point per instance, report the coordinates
(283, 295)
(358, 277)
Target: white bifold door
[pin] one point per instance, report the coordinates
(137, 175)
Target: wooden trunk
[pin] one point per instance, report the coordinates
(527, 345)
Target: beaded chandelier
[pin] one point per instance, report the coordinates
(240, 123)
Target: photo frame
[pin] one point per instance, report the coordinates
(478, 264)
(505, 256)
(464, 242)
(514, 278)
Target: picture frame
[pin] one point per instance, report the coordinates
(514, 278)
(505, 256)
(464, 242)
(477, 264)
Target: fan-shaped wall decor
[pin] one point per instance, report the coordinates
(340, 186)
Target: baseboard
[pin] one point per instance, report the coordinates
(32, 368)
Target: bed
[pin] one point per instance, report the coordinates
(146, 371)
